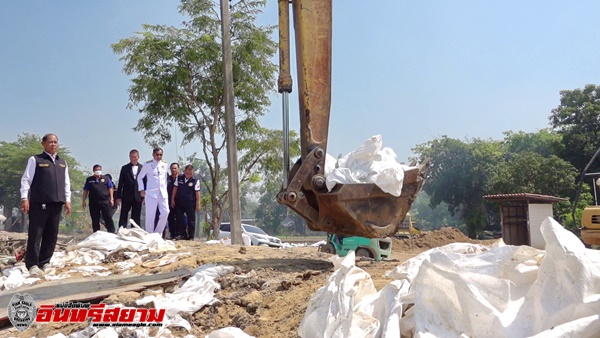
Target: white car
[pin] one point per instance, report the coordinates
(256, 234)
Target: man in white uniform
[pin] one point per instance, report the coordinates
(156, 172)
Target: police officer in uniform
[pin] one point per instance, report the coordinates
(186, 199)
(45, 188)
(155, 193)
(100, 188)
(171, 179)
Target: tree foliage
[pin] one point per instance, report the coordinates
(426, 217)
(459, 176)
(276, 218)
(577, 120)
(464, 171)
(533, 173)
(178, 81)
(544, 142)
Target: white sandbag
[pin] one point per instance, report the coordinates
(467, 290)
(369, 163)
(331, 311)
(511, 296)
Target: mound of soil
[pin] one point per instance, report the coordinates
(431, 239)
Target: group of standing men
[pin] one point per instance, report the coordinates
(171, 198)
(45, 188)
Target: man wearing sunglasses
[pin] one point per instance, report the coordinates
(155, 193)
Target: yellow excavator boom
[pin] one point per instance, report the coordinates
(349, 209)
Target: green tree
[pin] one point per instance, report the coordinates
(577, 120)
(177, 80)
(531, 165)
(459, 176)
(427, 217)
(544, 142)
(463, 172)
(13, 159)
(533, 173)
(276, 218)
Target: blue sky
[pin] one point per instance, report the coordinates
(411, 71)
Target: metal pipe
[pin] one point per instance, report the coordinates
(286, 138)
(284, 82)
(595, 193)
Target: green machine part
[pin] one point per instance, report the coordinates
(376, 248)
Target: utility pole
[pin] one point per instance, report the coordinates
(235, 213)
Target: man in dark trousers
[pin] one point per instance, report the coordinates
(100, 188)
(128, 190)
(186, 199)
(171, 179)
(45, 188)
(115, 206)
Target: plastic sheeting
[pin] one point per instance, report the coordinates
(190, 297)
(370, 163)
(229, 332)
(467, 290)
(86, 255)
(227, 241)
(196, 292)
(15, 277)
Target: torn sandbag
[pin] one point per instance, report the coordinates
(331, 311)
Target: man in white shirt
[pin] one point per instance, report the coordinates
(155, 193)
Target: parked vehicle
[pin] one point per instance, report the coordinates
(256, 234)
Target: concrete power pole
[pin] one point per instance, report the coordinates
(235, 213)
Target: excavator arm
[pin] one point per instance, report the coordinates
(349, 209)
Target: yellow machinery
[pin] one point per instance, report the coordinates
(349, 209)
(408, 229)
(590, 225)
(590, 218)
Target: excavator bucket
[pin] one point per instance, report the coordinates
(365, 210)
(350, 209)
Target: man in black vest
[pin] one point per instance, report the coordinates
(100, 189)
(127, 190)
(186, 200)
(45, 188)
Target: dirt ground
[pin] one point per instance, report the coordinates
(270, 301)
